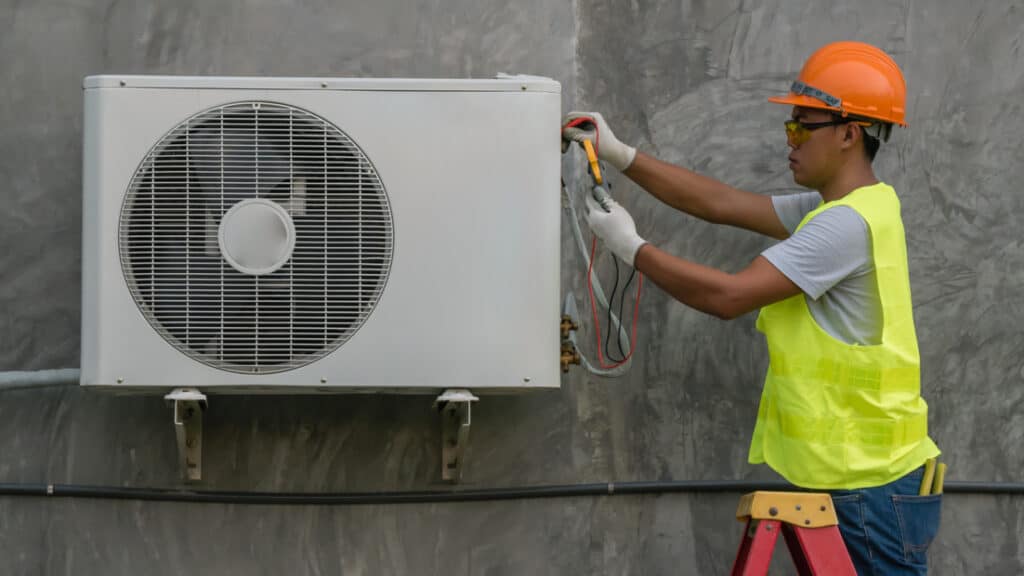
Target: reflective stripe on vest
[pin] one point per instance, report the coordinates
(844, 416)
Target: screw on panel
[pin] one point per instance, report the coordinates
(773, 511)
(120, 380)
(323, 84)
(526, 379)
(323, 380)
(123, 83)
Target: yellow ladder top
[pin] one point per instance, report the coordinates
(806, 509)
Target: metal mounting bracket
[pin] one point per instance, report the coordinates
(189, 405)
(454, 405)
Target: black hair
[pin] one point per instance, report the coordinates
(871, 146)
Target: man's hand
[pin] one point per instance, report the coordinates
(615, 227)
(600, 135)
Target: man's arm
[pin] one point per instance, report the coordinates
(704, 197)
(712, 291)
(706, 289)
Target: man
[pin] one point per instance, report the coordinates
(841, 408)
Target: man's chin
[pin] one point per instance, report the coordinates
(802, 180)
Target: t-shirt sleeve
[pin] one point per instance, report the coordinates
(834, 245)
(791, 208)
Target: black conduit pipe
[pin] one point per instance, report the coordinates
(453, 495)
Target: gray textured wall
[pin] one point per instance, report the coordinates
(684, 80)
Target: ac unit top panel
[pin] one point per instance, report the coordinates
(502, 83)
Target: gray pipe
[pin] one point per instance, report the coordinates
(19, 379)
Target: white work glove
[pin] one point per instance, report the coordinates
(608, 146)
(615, 227)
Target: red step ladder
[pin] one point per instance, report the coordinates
(807, 521)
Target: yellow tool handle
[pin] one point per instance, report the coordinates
(929, 475)
(592, 158)
(940, 478)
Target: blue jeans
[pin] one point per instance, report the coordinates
(887, 529)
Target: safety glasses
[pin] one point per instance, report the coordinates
(798, 132)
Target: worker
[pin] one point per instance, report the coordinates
(841, 409)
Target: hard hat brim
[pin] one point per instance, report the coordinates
(802, 100)
(809, 102)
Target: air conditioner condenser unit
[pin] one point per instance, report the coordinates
(320, 235)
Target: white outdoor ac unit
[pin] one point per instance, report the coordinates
(332, 235)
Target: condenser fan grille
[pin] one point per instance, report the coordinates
(256, 237)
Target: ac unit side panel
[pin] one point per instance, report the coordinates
(119, 130)
(91, 225)
(117, 133)
(471, 299)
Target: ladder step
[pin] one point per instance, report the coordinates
(808, 509)
(809, 525)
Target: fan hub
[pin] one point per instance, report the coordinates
(256, 236)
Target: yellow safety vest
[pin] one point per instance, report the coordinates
(844, 416)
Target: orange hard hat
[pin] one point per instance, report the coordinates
(851, 78)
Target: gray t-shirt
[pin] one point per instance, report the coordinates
(830, 260)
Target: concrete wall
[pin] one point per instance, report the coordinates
(683, 80)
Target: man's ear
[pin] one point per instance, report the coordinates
(850, 134)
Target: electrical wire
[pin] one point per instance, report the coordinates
(611, 304)
(622, 300)
(600, 489)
